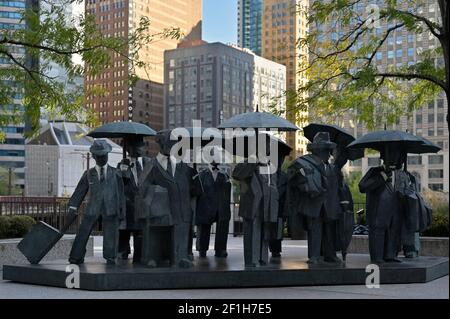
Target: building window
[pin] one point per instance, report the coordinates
(436, 187)
(436, 173)
(414, 160)
(435, 159)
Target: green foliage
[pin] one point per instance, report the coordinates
(15, 226)
(51, 37)
(342, 72)
(439, 226)
(4, 183)
(352, 179)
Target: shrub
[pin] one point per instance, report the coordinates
(15, 226)
(439, 226)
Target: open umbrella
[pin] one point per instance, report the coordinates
(379, 139)
(125, 130)
(426, 147)
(258, 120)
(338, 135)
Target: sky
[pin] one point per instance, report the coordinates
(220, 21)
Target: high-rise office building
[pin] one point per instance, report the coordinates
(12, 149)
(145, 101)
(284, 23)
(271, 29)
(250, 14)
(212, 82)
(403, 48)
(208, 82)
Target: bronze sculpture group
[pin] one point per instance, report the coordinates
(151, 200)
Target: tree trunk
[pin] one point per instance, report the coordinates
(445, 42)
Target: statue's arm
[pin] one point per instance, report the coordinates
(243, 171)
(80, 192)
(371, 181)
(121, 194)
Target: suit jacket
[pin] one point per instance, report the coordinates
(131, 188)
(106, 198)
(258, 198)
(213, 203)
(180, 187)
(282, 184)
(315, 191)
(383, 199)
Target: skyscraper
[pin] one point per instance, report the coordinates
(145, 101)
(284, 23)
(12, 150)
(250, 14)
(212, 82)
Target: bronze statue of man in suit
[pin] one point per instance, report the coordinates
(385, 187)
(213, 206)
(166, 236)
(258, 206)
(313, 195)
(132, 169)
(106, 200)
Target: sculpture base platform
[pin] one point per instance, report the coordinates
(214, 272)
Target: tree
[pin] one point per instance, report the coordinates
(343, 72)
(7, 182)
(50, 36)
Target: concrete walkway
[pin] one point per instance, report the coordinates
(438, 289)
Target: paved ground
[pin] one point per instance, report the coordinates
(438, 289)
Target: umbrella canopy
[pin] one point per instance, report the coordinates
(379, 139)
(283, 148)
(198, 133)
(125, 130)
(338, 135)
(122, 130)
(258, 120)
(426, 147)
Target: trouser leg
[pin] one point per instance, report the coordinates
(137, 245)
(180, 236)
(328, 241)
(377, 240)
(265, 238)
(110, 237)
(124, 241)
(393, 238)
(222, 229)
(314, 238)
(156, 244)
(78, 250)
(252, 241)
(203, 238)
(275, 246)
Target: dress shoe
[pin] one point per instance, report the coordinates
(313, 261)
(110, 261)
(221, 254)
(76, 261)
(185, 263)
(123, 255)
(202, 254)
(276, 254)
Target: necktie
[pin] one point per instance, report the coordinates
(169, 167)
(102, 174)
